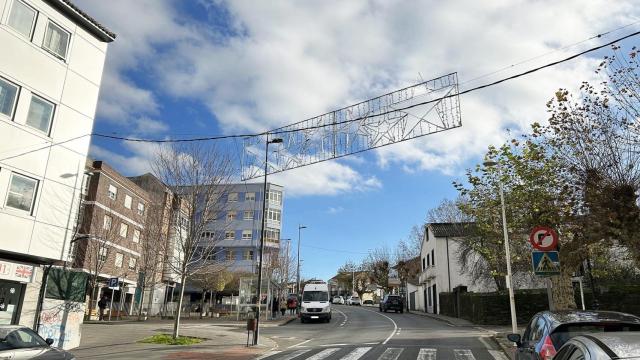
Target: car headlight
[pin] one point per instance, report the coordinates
(327, 309)
(303, 309)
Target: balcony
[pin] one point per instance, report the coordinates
(427, 274)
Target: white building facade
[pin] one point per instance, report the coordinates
(50, 73)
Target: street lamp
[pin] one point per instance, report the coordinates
(256, 334)
(512, 301)
(300, 227)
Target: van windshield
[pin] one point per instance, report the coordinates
(315, 296)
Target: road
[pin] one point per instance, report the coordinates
(365, 333)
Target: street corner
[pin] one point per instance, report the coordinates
(505, 345)
(234, 353)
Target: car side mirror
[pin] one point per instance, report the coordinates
(49, 341)
(515, 338)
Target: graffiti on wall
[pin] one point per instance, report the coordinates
(60, 320)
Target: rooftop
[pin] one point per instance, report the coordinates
(69, 9)
(452, 229)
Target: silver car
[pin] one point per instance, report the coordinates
(19, 342)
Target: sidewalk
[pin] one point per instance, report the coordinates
(448, 319)
(221, 321)
(223, 340)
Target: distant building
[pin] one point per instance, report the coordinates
(236, 228)
(110, 235)
(50, 73)
(167, 210)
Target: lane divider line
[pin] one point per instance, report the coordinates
(395, 326)
(297, 345)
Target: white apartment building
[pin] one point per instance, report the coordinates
(51, 65)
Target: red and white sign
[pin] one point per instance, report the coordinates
(543, 238)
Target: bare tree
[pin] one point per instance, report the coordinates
(197, 172)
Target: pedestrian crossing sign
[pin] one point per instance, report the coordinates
(545, 263)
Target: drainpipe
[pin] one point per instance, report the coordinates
(448, 265)
(43, 288)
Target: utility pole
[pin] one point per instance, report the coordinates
(300, 227)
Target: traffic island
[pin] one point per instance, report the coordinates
(167, 339)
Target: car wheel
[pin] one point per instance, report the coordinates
(302, 320)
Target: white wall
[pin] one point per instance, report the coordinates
(73, 86)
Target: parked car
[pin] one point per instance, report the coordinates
(19, 342)
(392, 302)
(610, 345)
(367, 302)
(338, 300)
(354, 300)
(549, 330)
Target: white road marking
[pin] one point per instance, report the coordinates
(427, 354)
(345, 317)
(298, 344)
(395, 326)
(329, 345)
(294, 354)
(485, 343)
(464, 354)
(267, 354)
(391, 354)
(323, 354)
(498, 355)
(356, 354)
(371, 343)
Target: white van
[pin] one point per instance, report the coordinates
(315, 302)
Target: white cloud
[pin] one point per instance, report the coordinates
(145, 125)
(326, 178)
(295, 60)
(335, 210)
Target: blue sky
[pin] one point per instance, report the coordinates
(183, 68)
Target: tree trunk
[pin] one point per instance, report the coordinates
(562, 291)
(204, 294)
(176, 322)
(94, 287)
(150, 306)
(142, 288)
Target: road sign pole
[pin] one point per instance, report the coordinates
(512, 300)
(111, 305)
(552, 306)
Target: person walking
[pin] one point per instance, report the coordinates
(283, 306)
(274, 307)
(102, 304)
(292, 304)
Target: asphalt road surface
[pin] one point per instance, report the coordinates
(365, 333)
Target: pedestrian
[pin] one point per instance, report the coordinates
(292, 304)
(283, 306)
(274, 307)
(102, 304)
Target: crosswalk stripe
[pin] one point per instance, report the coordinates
(427, 354)
(498, 355)
(323, 354)
(295, 354)
(357, 353)
(463, 354)
(268, 354)
(391, 354)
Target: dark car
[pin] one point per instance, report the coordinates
(549, 330)
(622, 345)
(392, 302)
(19, 342)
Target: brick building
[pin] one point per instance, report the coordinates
(110, 233)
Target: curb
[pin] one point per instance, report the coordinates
(507, 350)
(440, 319)
(288, 321)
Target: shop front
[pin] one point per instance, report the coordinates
(14, 278)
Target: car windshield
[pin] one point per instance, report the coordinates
(21, 339)
(563, 333)
(315, 296)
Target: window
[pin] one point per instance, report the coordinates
(140, 209)
(56, 40)
(231, 215)
(132, 263)
(248, 255)
(8, 95)
(136, 235)
(423, 264)
(229, 235)
(233, 197)
(40, 114)
(22, 191)
(22, 18)
(230, 255)
(124, 229)
(127, 201)
(433, 257)
(247, 235)
(248, 215)
(428, 260)
(113, 192)
(102, 254)
(272, 235)
(106, 224)
(250, 196)
(275, 197)
(207, 235)
(273, 215)
(119, 259)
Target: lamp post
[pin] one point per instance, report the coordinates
(300, 227)
(512, 301)
(256, 334)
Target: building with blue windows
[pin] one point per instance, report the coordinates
(236, 227)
